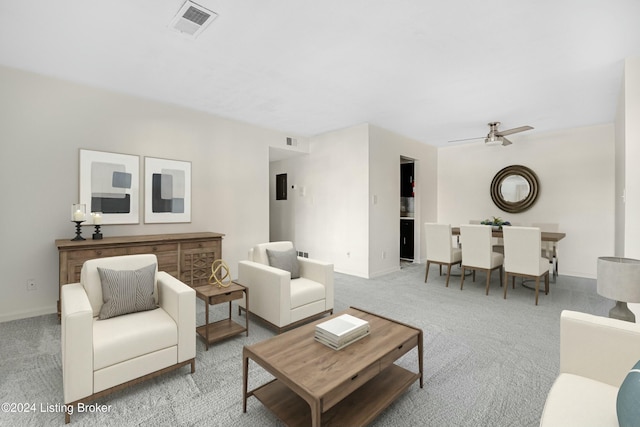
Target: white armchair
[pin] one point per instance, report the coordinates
(102, 356)
(276, 298)
(596, 353)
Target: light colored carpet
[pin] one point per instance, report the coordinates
(488, 361)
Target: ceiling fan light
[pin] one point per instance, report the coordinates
(493, 140)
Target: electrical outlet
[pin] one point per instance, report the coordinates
(32, 285)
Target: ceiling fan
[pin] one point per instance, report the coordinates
(495, 136)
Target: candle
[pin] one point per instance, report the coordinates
(78, 215)
(97, 218)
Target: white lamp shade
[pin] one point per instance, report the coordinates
(619, 278)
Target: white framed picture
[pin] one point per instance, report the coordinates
(110, 183)
(167, 190)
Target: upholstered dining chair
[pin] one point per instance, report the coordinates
(439, 248)
(549, 250)
(522, 246)
(477, 252)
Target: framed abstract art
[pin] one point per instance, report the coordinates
(110, 183)
(167, 190)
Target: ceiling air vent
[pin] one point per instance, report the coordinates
(192, 19)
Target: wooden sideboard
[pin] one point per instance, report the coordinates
(186, 256)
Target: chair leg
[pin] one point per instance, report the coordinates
(474, 275)
(448, 275)
(426, 274)
(546, 283)
(462, 278)
(486, 292)
(537, 288)
(440, 267)
(506, 279)
(501, 270)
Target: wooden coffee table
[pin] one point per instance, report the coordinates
(216, 331)
(316, 385)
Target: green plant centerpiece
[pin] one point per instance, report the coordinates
(496, 222)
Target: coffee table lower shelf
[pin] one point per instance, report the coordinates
(357, 409)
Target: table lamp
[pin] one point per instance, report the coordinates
(619, 280)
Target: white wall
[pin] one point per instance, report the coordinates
(332, 213)
(575, 168)
(43, 124)
(385, 150)
(631, 156)
(329, 209)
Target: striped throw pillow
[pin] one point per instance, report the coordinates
(126, 291)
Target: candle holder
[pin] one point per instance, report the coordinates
(78, 215)
(78, 231)
(97, 235)
(97, 222)
(78, 212)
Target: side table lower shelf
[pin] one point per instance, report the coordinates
(357, 409)
(220, 330)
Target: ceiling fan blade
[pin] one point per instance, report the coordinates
(505, 141)
(467, 139)
(514, 130)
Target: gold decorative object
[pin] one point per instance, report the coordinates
(219, 266)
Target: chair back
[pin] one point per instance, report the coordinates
(477, 246)
(438, 240)
(259, 252)
(90, 278)
(522, 250)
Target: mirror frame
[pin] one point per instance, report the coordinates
(522, 205)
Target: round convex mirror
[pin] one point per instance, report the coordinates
(514, 189)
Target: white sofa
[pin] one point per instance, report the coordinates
(596, 353)
(282, 302)
(101, 356)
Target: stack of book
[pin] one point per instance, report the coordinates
(341, 331)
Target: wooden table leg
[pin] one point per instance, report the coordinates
(206, 325)
(316, 415)
(246, 304)
(245, 382)
(420, 358)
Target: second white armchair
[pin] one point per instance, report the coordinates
(286, 290)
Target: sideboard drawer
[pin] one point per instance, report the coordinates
(86, 254)
(154, 249)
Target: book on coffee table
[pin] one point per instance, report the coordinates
(341, 331)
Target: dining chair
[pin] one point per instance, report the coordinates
(477, 252)
(439, 248)
(549, 249)
(522, 258)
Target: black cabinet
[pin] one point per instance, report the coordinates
(406, 179)
(406, 238)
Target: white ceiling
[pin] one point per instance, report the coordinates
(430, 70)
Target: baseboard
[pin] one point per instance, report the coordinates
(25, 314)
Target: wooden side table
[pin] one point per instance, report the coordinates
(217, 331)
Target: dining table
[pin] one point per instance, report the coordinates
(546, 236)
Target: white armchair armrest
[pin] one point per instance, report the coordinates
(77, 342)
(321, 272)
(270, 291)
(179, 301)
(597, 347)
